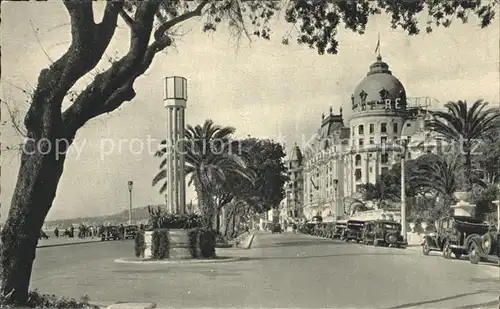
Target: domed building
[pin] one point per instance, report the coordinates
(343, 156)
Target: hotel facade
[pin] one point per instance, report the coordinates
(346, 154)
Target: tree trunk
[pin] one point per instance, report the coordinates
(205, 205)
(35, 191)
(217, 221)
(468, 170)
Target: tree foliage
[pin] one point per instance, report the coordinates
(486, 161)
(388, 185)
(265, 158)
(210, 161)
(465, 126)
(484, 200)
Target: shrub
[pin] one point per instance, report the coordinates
(140, 245)
(159, 244)
(45, 301)
(160, 219)
(202, 243)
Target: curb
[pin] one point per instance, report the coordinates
(190, 261)
(132, 305)
(252, 236)
(68, 244)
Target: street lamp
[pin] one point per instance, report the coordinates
(130, 185)
(409, 128)
(335, 197)
(404, 143)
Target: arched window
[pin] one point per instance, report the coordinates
(358, 159)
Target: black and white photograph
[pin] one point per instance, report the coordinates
(250, 154)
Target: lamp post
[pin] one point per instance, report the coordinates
(408, 129)
(335, 197)
(130, 185)
(404, 143)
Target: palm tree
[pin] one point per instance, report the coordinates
(210, 157)
(466, 127)
(440, 175)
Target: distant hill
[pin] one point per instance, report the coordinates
(139, 215)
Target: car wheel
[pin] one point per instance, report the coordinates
(425, 248)
(487, 241)
(447, 250)
(458, 255)
(474, 258)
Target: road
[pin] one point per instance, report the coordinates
(281, 271)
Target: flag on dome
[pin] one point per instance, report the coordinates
(377, 49)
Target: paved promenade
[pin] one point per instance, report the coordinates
(280, 271)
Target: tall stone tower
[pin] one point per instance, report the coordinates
(175, 98)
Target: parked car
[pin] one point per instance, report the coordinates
(353, 231)
(110, 233)
(455, 235)
(131, 231)
(340, 226)
(276, 228)
(383, 233)
(485, 248)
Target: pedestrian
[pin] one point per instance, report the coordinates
(122, 231)
(56, 232)
(71, 231)
(294, 227)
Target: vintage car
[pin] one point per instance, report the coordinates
(454, 235)
(131, 231)
(485, 248)
(340, 226)
(353, 231)
(276, 228)
(383, 233)
(110, 233)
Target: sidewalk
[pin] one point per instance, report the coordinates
(65, 241)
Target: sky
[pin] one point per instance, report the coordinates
(261, 88)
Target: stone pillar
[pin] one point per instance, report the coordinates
(175, 103)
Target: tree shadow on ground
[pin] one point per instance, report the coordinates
(416, 304)
(313, 256)
(495, 303)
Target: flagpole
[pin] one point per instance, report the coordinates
(377, 49)
(379, 45)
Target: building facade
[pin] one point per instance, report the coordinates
(346, 154)
(292, 205)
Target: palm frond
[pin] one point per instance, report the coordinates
(162, 174)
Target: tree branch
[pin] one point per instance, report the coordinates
(128, 20)
(114, 86)
(89, 41)
(160, 32)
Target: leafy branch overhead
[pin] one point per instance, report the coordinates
(151, 23)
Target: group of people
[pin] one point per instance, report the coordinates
(83, 231)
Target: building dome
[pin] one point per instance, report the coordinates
(377, 88)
